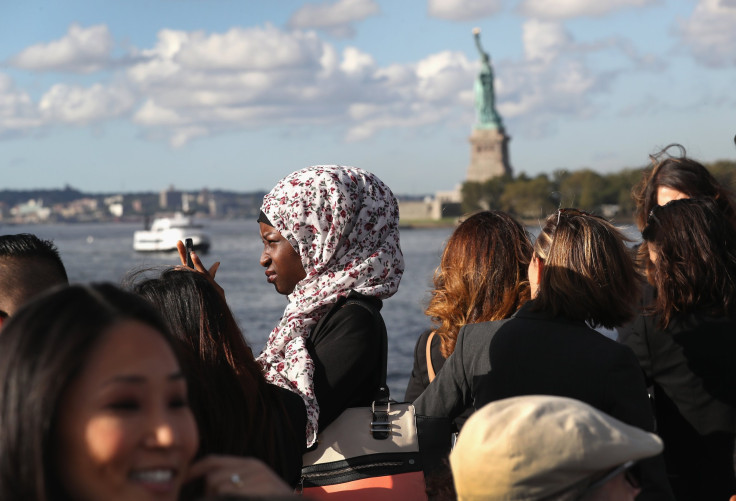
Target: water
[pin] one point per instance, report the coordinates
(104, 252)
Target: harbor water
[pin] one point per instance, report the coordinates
(104, 252)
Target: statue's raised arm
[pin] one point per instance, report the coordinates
(483, 54)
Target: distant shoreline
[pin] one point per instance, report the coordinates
(421, 224)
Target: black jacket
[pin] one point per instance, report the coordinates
(534, 353)
(692, 368)
(419, 380)
(345, 346)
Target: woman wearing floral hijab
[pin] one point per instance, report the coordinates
(331, 244)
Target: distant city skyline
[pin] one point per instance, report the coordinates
(235, 94)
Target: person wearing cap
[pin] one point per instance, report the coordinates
(541, 447)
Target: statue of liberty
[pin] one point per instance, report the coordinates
(486, 115)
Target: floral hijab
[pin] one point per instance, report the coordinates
(344, 224)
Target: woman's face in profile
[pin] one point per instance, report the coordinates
(283, 265)
(124, 429)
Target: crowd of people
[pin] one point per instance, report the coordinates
(148, 389)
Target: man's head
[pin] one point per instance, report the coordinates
(28, 266)
(545, 447)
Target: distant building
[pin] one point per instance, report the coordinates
(168, 197)
(32, 211)
(444, 204)
(186, 202)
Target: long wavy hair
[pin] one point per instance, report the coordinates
(683, 174)
(43, 348)
(588, 272)
(695, 267)
(482, 275)
(228, 393)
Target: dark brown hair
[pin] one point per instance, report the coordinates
(42, 349)
(588, 271)
(684, 175)
(28, 266)
(228, 393)
(695, 246)
(482, 275)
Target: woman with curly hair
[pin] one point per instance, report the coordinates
(482, 277)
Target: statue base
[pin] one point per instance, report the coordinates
(489, 155)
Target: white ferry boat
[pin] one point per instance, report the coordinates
(166, 231)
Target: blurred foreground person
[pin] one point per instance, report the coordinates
(548, 448)
(581, 275)
(237, 411)
(94, 406)
(686, 343)
(28, 266)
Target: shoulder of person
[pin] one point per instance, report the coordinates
(480, 330)
(357, 299)
(351, 315)
(356, 306)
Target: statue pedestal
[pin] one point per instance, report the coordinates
(489, 156)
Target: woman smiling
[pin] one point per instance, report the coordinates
(94, 406)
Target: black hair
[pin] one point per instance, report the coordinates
(42, 349)
(27, 245)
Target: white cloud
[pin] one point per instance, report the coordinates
(17, 111)
(566, 9)
(464, 10)
(710, 32)
(554, 79)
(191, 85)
(544, 40)
(196, 85)
(356, 62)
(248, 49)
(152, 114)
(443, 76)
(81, 50)
(77, 105)
(336, 19)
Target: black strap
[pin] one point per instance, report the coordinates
(380, 425)
(383, 394)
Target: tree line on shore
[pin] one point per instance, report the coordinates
(608, 194)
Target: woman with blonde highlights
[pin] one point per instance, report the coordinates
(481, 277)
(582, 271)
(581, 275)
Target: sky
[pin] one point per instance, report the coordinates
(139, 95)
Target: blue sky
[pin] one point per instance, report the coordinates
(235, 94)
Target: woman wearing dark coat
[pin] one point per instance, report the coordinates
(581, 275)
(686, 343)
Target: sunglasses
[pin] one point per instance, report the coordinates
(628, 475)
